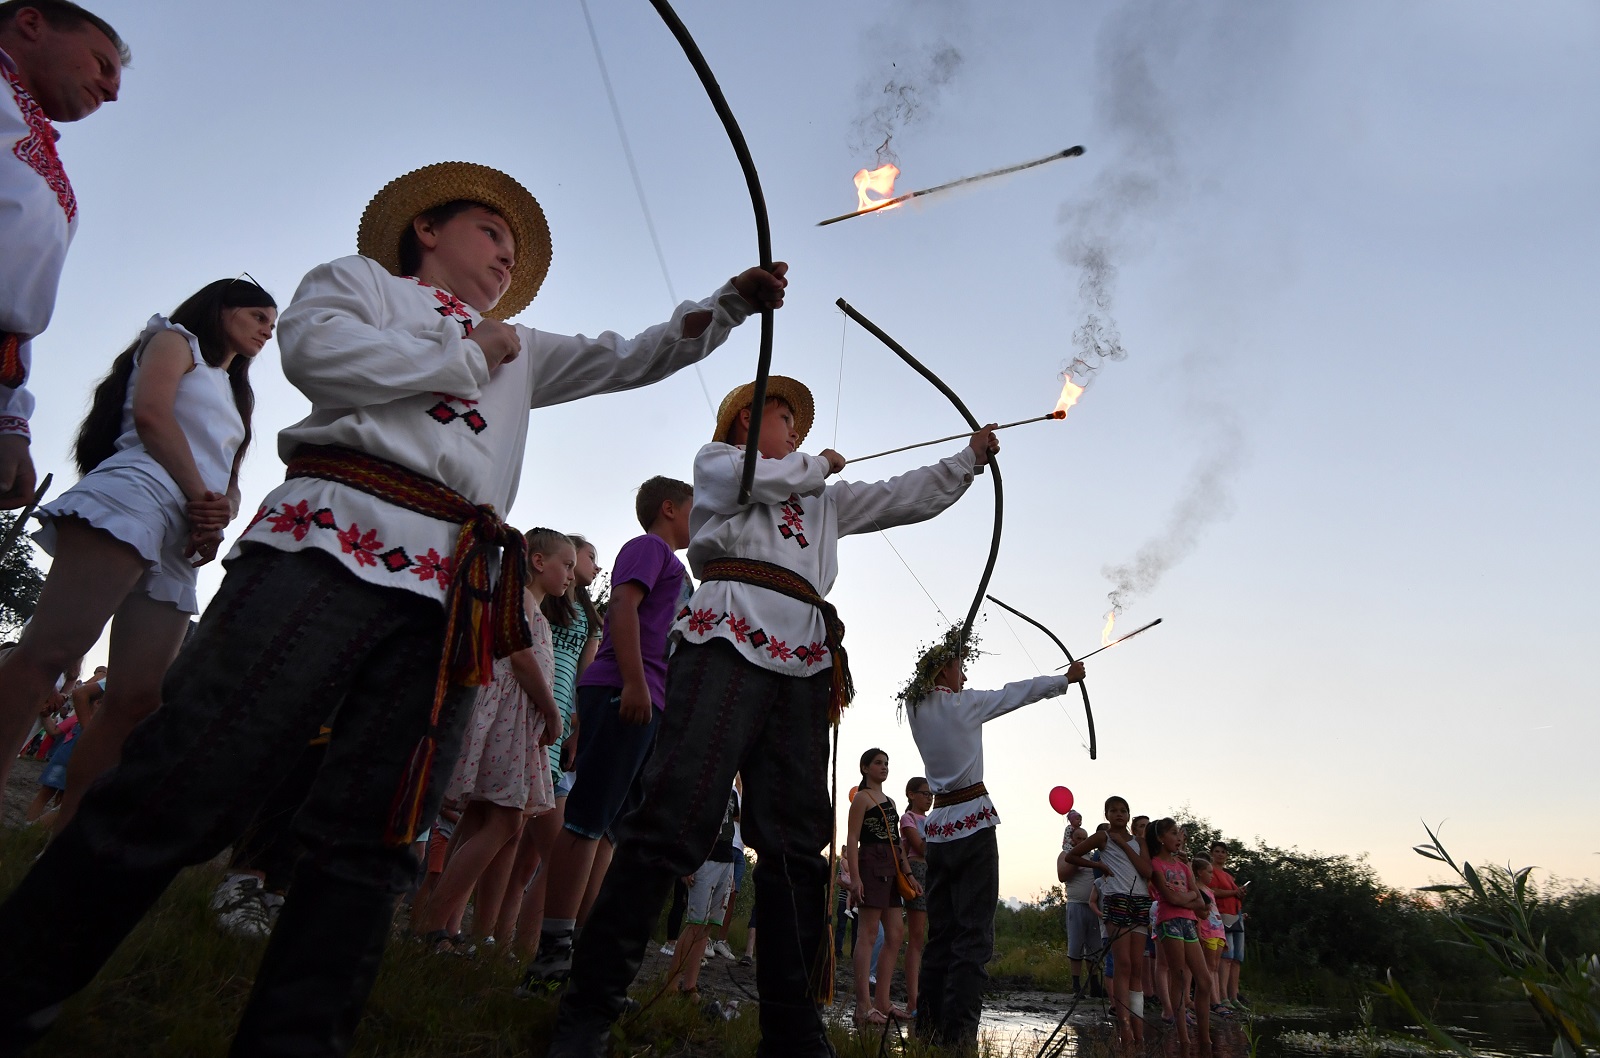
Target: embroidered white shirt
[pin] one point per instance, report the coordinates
(795, 521)
(38, 216)
(387, 366)
(948, 729)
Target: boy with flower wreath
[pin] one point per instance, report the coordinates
(963, 861)
(365, 587)
(758, 675)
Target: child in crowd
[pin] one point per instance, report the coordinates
(844, 908)
(963, 855)
(503, 773)
(1122, 869)
(1213, 935)
(914, 839)
(876, 857)
(757, 676)
(67, 733)
(1176, 929)
(709, 889)
(620, 701)
(339, 600)
(1230, 903)
(575, 633)
(159, 452)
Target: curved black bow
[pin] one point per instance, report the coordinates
(758, 202)
(972, 421)
(1082, 685)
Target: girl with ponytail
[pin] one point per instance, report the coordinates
(159, 453)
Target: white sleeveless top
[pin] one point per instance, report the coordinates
(204, 409)
(1124, 876)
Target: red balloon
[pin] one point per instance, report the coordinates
(1061, 800)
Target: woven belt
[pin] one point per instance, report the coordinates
(482, 621)
(788, 582)
(961, 796)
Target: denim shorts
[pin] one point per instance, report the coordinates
(1183, 929)
(1235, 948)
(611, 754)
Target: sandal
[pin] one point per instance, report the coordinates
(691, 994)
(873, 1016)
(900, 1014)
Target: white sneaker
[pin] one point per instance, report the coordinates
(721, 948)
(669, 948)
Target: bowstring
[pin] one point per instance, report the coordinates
(838, 401)
(1036, 667)
(638, 185)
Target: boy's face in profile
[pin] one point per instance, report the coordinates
(672, 523)
(778, 437)
(471, 255)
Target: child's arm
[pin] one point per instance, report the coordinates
(913, 840)
(1140, 861)
(530, 677)
(914, 496)
(718, 468)
(334, 351)
(1078, 855)
(622, 621)
(852, 841)
(566, 368)
(990, 704)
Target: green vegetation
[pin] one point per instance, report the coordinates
(20, 581)
(1323, 927)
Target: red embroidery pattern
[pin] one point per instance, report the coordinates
(444, 413)
(13, 424)
(364, 548)
(449, 305)
(794, 526)
(970, 821)
(777, 648)
(38, 149)
(702, 621)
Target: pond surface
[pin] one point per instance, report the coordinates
(1018, 1024)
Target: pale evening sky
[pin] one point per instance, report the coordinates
(1352, 246)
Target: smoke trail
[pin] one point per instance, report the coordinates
(917, 73)
(1207, 497)
(1141, 184)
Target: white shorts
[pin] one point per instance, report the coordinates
(708, 894)
(135, 508)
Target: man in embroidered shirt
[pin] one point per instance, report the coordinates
(58, 62)
(755, 679)
(963, 863)
(331, 604)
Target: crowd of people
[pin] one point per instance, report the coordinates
(394, 694)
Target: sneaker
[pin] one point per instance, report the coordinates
(669, 948)
(553, 964)
(244, 908)
(746, 960)
(722, 949)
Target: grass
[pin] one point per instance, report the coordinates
(177, 986)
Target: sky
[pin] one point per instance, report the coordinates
(1348, 450)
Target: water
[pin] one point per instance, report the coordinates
(1019, 1023)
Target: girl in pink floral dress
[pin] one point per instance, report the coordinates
(503, 773)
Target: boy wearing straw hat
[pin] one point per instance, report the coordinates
(364, 587)
(758, 675)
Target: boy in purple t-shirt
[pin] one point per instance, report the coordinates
(620, 699)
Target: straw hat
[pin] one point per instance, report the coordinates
(779, 387)
(392, 210)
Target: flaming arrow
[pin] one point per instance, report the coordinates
(1083, 687)
(972, 421)
(758, 202)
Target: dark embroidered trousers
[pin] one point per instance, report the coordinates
(290, 639)
(723, 716)
(963, 889)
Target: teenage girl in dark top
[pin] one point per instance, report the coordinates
(873, 845)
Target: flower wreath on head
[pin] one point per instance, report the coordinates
(931, 661)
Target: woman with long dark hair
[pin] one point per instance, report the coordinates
(159, 453)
